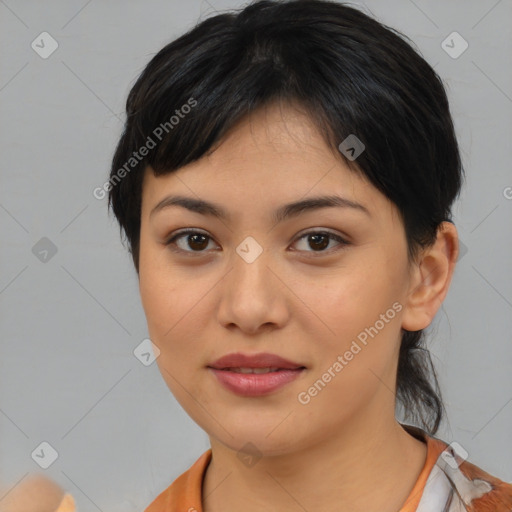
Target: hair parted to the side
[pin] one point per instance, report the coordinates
(351, 75)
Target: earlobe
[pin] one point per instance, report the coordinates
(431, 278)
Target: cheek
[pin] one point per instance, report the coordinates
(164, 293)
(355, 357)
(156, 299)
(357, 311)
(175, 316)
(348, 301)
(168, 309)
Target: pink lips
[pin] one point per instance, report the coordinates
(255, 384)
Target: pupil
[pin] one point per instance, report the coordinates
(193, 238)
(315, 237)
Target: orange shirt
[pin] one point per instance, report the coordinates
(446, 483)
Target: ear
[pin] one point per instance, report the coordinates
(431, 276)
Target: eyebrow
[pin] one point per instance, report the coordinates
(285, 212)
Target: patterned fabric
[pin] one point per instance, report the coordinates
(456, 485)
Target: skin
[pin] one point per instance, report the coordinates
(36, 493)
(344, 450)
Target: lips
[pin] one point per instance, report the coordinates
(255, 375)
(246, 362)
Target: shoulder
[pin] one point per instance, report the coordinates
(468, 487)
(185, 493)
(454, 484)
(480, 491)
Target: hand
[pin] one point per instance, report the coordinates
(35, 493)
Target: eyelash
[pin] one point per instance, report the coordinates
(342, 242)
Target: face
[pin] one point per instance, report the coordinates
(322, 287)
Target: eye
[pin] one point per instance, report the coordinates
(319, 240)
(196, 240)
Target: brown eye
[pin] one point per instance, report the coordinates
(192, 241)
(189, 239)
(197, 241)
(319, 240)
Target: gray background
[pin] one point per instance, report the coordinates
(69, 324)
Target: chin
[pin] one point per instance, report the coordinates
(257, 438)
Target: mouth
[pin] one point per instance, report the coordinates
(247, 363)
(252, 375)
(255, 382)
(258, 370)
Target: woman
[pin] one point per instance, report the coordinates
(284, 182)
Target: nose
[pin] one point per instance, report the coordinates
(252, 296)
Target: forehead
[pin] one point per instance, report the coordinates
(275, 142)
(273, 156)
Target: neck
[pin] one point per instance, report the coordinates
(366, 466)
